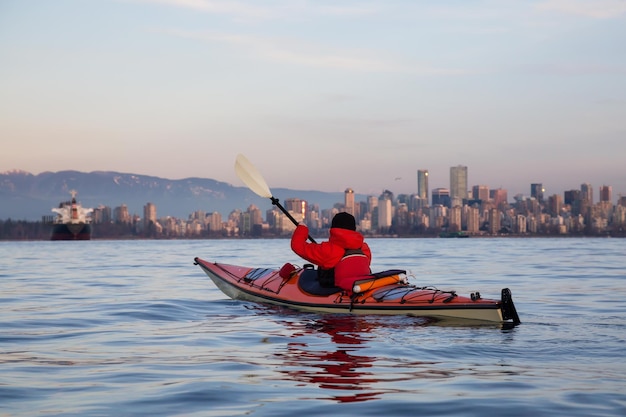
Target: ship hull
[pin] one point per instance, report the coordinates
(78, 231)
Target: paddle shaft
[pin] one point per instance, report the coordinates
(289, 216)
(256, 183)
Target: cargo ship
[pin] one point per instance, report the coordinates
(72, 222)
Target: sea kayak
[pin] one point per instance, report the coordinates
(386, 292)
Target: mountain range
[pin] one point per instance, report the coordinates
(24, 196)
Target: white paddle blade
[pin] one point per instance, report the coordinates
(251, 177)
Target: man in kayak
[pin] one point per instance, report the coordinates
(345, 258)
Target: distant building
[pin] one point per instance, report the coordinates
(480, 192)
(570, 197)
(372, 203)
(385, 212)
(415, 202)
(149, 215)
(520, 224)
(349, 201)
(555, 203)
(256, 216)
(102, 214)
(499, 197)
(214, 221)
(536, 191)
(437, 215)
(454, 219)
(121, 214)
(458, 184)
(473, 220)
(606, 193)
(494, 221)
(422, 185)
(297, 207)
(587, 192)
(441, 196)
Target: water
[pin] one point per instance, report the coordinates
(125, 328)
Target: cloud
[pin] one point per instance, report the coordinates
(252, 10)
(597, 9)
(316, 56)
(218, 7)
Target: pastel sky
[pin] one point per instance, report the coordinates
(319, 95)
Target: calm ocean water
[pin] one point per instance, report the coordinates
(125, 328)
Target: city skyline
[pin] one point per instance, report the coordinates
(100, 182)
(575, 213)
(320, 95)
(478, 193)
(484, 212)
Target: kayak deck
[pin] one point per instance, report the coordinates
(301, 291)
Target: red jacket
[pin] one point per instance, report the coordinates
(328, 254)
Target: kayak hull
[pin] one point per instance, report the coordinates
(262, 285)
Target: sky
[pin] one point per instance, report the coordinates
(319, 95)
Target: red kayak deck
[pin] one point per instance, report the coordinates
(301, 291)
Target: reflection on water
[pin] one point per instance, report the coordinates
(356, 358)
(342, 363)
(342, 368)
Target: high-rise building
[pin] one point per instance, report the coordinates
(256, 216)
(571, 196)
(102, 214)
(215, 221)
(458, 184)
(149, 211)
(587, 192)
(454, 219)
(555, 203)
(499, 196)
(422, 185)
(349, 201)
(520, 224)
(121, 214)
(494, 221)
(441, 196)
(149, 214)
(372, 203)
(385, 212)
(606, 192)
(437, 215)
(297, 206)
(473, 220)
(388, 195)
(415, 202)
(536, 191)
(480, 192)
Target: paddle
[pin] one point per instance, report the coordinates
(255, 182)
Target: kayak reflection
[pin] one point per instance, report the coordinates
(346, 368)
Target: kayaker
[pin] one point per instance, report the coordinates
(342, 260)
